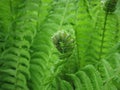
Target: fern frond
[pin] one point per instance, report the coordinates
(85, 80)
(83, 33)
(67, 85)
(30, 60)
(107, 74)
(106, 31)
(94, 76)
(42, 48)
(16, 56)
(114, 61)
(75, 81)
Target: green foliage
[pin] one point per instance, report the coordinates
(59, 45)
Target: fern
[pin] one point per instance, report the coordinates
(42, 54)
(59, 44)
(15, 58)
(85, 80)
(75, 81)
(104, 26)
(82, 33)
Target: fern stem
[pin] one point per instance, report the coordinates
(38, 15)
(88, 10)
(64, 14)
(11, 10)
(12, 28)
(77, 45)
(103, 36)
(76, 34)
(117, 30)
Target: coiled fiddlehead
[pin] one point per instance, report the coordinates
(64, 43)
(110, 5)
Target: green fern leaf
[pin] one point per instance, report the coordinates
(94, 76)
(85, 80)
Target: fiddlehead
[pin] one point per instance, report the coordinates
(110, 5)
(64, 43)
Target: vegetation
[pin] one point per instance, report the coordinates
(59, 44)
